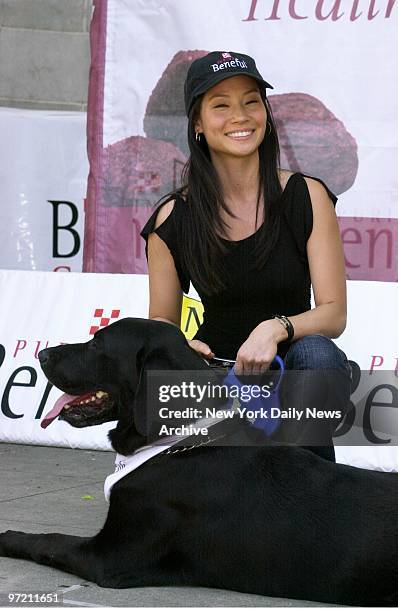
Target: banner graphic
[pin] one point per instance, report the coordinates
(41, 310)
(43, 176)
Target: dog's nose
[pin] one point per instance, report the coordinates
(44, 355)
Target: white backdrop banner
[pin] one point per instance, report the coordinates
(45, 309)
(43, 177)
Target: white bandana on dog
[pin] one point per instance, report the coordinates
(126, 464)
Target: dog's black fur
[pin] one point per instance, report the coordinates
(282, 522)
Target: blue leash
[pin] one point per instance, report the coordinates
(269, 424)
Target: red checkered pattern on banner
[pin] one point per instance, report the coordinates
(147, 181)
(103, 320)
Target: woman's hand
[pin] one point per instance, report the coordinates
(202, 348)
(258, 351)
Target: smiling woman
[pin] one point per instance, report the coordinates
(252, 238)
(233, 120)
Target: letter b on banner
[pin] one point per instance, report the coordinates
(69, 227)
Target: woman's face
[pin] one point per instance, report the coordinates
(233, 117)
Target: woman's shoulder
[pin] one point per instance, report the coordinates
(284, 176)
(168, 209)
(161, 219)
(163, 212)
(316, 187)
(319, 191)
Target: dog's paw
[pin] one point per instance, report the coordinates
(7, 541)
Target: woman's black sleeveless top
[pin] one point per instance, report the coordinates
(282, 286)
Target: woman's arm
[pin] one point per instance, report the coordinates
(327, 271)
(165, 293)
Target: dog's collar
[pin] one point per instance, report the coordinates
(180, 449)
(208, 423)
(217, 430)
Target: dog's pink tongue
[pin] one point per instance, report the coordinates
(59, 404)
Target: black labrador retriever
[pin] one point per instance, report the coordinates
(264, 519)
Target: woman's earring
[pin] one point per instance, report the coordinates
(197, 136)
(270, 128)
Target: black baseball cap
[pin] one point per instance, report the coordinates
(214, 67)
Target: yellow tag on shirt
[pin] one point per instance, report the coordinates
(191, 316)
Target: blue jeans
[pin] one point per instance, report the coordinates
(318, 376)
(316, 352)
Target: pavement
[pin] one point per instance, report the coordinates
(46, 489)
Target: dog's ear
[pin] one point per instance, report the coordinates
(138, 421)
(136, 416)
(178, 357)
(156, 359)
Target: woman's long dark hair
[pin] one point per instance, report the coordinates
(202, 225)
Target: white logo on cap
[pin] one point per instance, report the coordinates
(233, 63)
